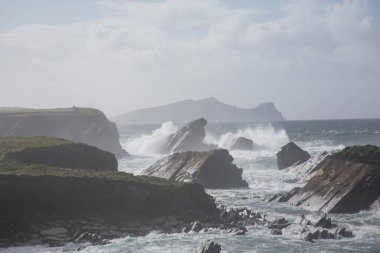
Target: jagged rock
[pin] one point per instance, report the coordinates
(279, 224)
(188, 138)
(291, 154)
(241, 230)
(242, 143)
(212, 169)
(209, 247)
(344, 232)
(283, 196)
(84, 125)
(276, 232)
(346, 182)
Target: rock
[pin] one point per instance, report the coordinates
(212, 169)
(291, 154)
(188, 138)
(61, 202)
(209, 247)
(242, 143)
(344, 232)
(276, 232)
(64, 155)
(306, 170)
(84, 125)
(241, 230)
(279, 224)
(283, 196)
(346, 182)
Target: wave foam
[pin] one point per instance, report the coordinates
(265, 136)
(150, 144)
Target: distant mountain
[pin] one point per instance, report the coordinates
(208, 108)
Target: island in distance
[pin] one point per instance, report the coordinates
(209, 108)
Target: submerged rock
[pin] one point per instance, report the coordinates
(212, 169)
(188, 138)
(84, 125)
(209, 247)
(242, 143)
(291, 154)
(346, 182)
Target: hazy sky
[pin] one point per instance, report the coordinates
(313, 59)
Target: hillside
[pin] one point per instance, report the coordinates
(209, 108)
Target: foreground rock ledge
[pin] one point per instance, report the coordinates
(42, 203)
(212, 169)
(345, 182)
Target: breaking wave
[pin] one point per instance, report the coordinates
(150, 144)
(265, 136)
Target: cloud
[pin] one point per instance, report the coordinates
(148, 53)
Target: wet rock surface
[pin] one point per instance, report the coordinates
(242, 143)
(345, 182)
(188, 138)
(291, 154)
(208, 247)
(212, 169)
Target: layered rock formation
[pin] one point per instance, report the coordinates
(345, 182)
(209, 108)
(85, 125)
(242, 143)
(212, 169)
(188, 138)
(291, 154)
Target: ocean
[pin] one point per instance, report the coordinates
(261, 173)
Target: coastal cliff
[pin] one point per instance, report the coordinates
(85, 125)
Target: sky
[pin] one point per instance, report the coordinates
(313, 59)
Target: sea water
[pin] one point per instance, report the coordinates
(261, 173)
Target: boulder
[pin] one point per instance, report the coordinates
(242, 143)
(188, 138)
(345, 182)
(212, 169)
(209, 247)
(84, 125)
(291, 154)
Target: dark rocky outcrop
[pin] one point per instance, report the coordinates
(242, 143)
(43, 203)
(84, 125)
(209, 108)
(212, 169)
(67, 155)
(188, 138)
(291, 154)
(345, 182)
(208, 247)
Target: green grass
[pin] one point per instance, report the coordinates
(364, 154)
(12, 167)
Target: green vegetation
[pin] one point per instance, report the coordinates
(10, 166)
(365, 154)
